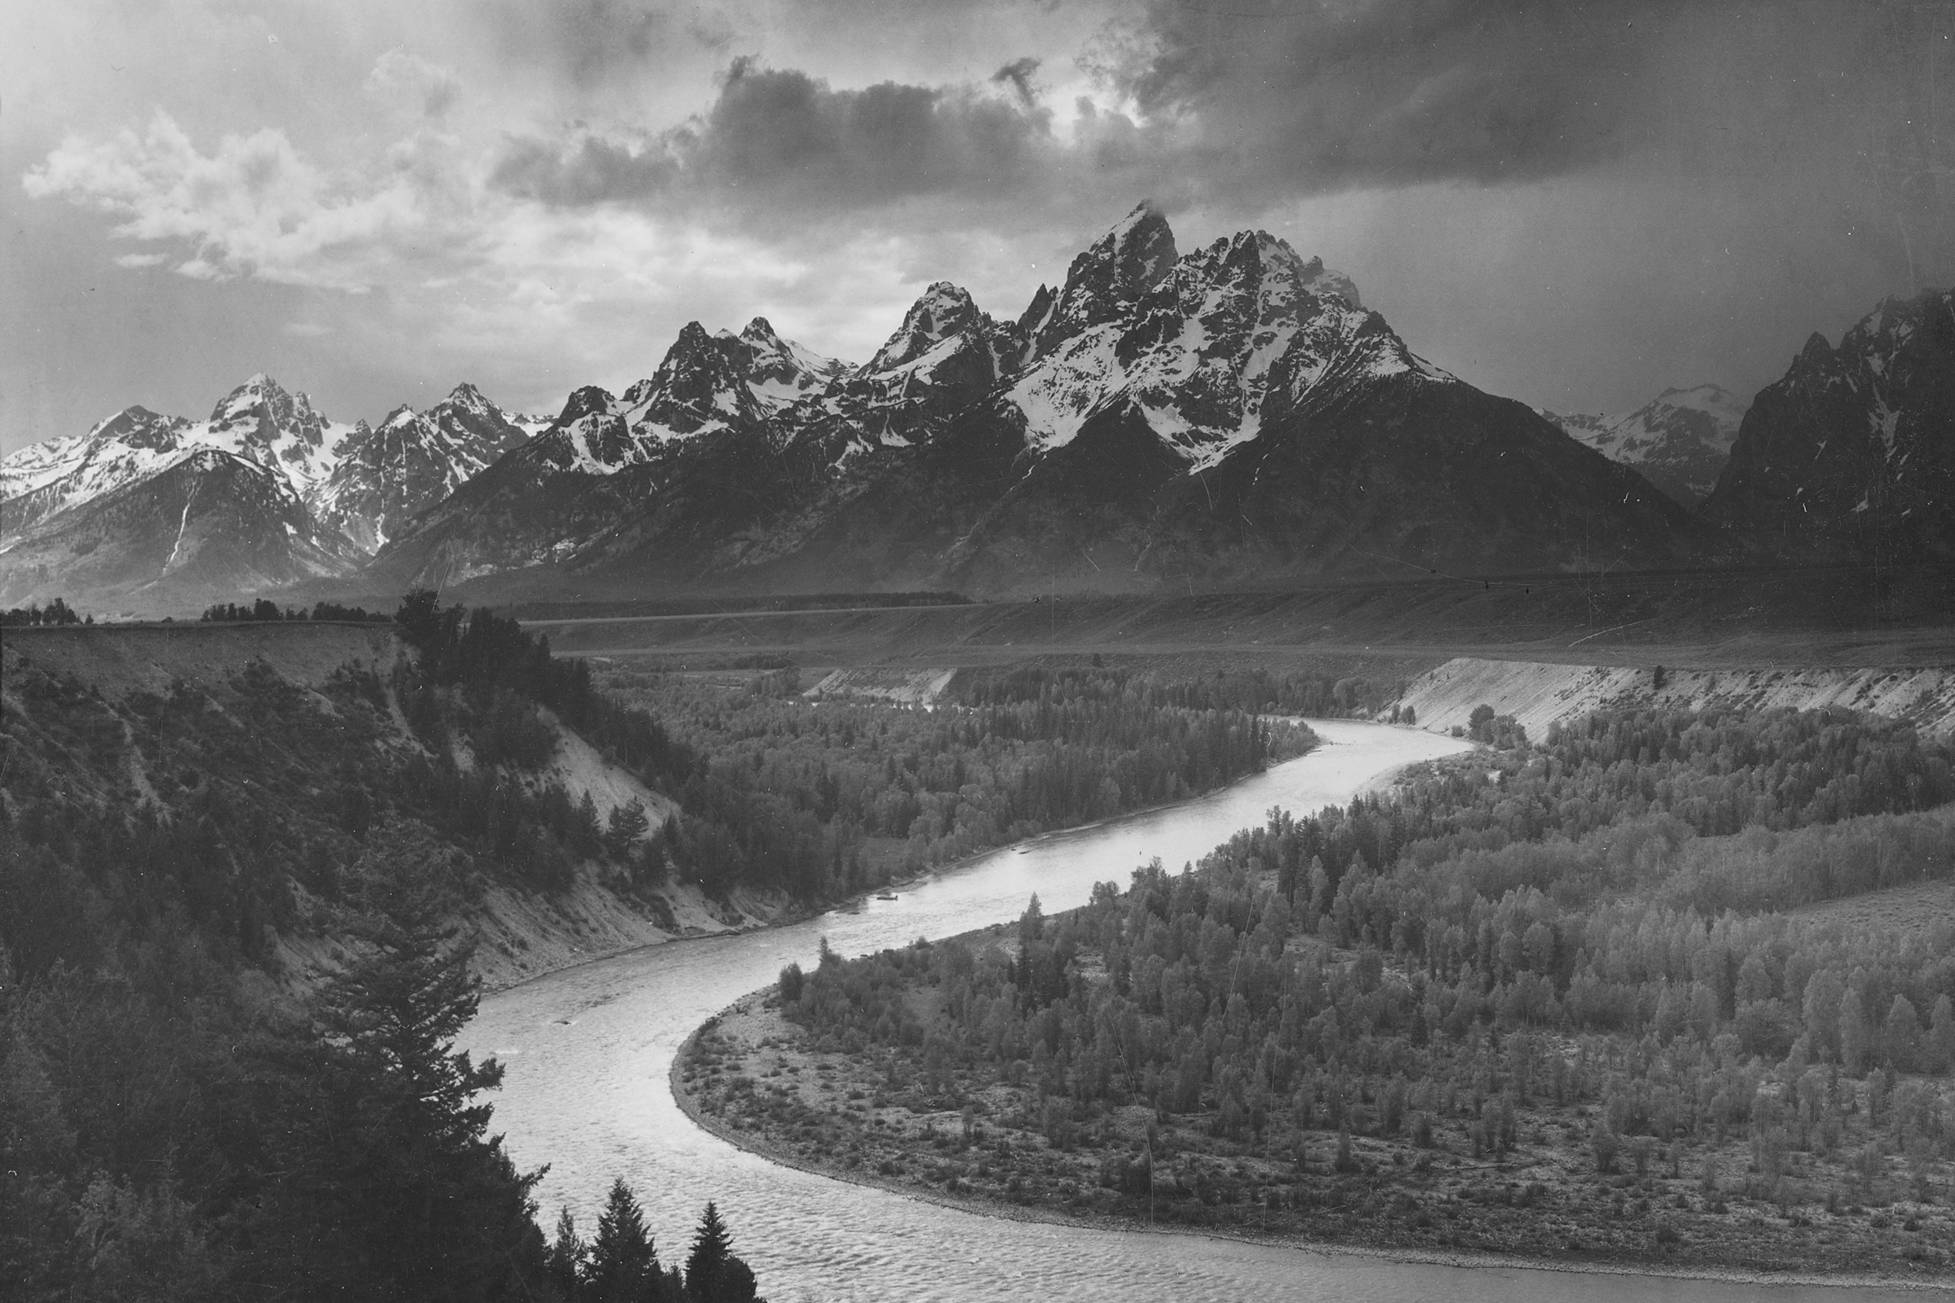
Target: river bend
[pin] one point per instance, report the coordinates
(587, 1051)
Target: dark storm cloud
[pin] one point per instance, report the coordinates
(782, 135)
(585, 171)
(1256, 107)
(1326, 95)
(1018, 74)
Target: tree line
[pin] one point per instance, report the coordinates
(828, 797)
(264, 610)
(57, 611)
(1574, 925)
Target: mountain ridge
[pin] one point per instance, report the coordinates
(274, 489)
(1231, 415)
(1854, 446)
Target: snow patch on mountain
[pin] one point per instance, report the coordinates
(1219, 337)
(1679, 441)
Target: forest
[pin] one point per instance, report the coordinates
(1570, 978)
(186, 1103)
(835, 797)
(186, 1115)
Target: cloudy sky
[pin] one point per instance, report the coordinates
(1574, 202)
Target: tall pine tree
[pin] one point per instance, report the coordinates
(397, 1188)
(713, 1274)
(623, 1265)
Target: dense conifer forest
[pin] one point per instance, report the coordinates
(1568, 978)
(184, 1114)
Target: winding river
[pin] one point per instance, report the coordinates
(587, 1052)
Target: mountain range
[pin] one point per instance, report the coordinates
(1230, 415)
(1233, 415)
(265, 492)
(1679, 441)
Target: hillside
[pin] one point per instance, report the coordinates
(264, 768)
(1850, 450)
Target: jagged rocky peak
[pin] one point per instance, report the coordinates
(1139, 250)
(1895, 322)
(1325, 283)
(943, 311)
(1851, 444)
(466, 397)
(138, 427)
(698, 364)
(1259, 265)
(779, 371)
(1110, 275)
(587, 401)
(262, 398)
(262, 412)
(701, 384)
(1036, 312)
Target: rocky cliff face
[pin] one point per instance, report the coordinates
(411, 461)
(1855, 446)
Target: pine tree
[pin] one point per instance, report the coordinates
(1941, 1036)
(623, 1264)
(1855, 1035)
(1900, 1035)
(414, 1198)
(568, 1256)
(713, 1274)
(626, 825)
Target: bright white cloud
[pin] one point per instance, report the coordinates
(401, 75)
(455, 270)
(253, 206)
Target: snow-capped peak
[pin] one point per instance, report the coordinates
(1110, 276)
(1141, 244)
(466, 397)
(760, 332)
(941, 312)
(1679, 440)
(780, 371)
(587, 401)
(1205, 349)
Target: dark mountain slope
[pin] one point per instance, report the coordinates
(1854, 448)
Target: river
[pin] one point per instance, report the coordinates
(586, 1053)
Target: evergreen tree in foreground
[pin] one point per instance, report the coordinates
(398, 1192)
(623, 1263)
(568, 1256)
(713, 1274)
